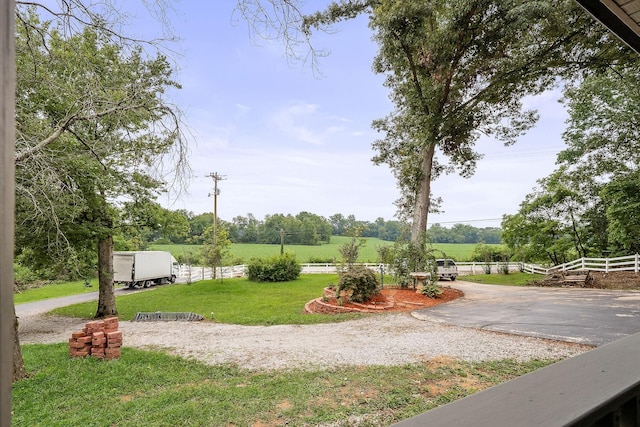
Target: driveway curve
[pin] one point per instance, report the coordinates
(579, 315)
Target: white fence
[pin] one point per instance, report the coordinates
(623, 263)
(627, 263)
(189, 273)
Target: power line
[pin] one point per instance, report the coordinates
(468, 220)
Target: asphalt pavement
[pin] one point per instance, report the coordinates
(586, 316)
(43, 306)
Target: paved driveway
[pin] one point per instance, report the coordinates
(586, 316)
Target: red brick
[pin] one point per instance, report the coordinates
(77, 345)
(79, 353)
(99, 343)
(85, 340)
(78, 334)
(114, 335)
(95, 325)
(110, 320)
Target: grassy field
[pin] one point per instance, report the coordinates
(237, 301)
(149, 388)
(327, 251)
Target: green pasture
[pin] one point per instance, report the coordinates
(326, 251)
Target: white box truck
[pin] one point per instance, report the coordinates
(144, 268)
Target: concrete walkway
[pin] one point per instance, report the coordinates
(585, 316)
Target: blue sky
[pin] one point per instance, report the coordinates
(288, 141)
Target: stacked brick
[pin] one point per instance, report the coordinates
(100, 339)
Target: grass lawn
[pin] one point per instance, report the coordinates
(511, 279)
(237, 301)
(147, 388)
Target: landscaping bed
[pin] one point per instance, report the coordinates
(387, 300)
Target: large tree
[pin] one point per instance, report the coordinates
(94, 129)
(456, 70)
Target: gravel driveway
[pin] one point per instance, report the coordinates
(386, 339)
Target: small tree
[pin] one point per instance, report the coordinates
(216, 249)
(407, 257)
(351, 250)
(361, 283)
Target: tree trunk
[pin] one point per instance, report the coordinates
(106, 293)
(19, 372)
(422, 201)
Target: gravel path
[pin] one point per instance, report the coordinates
(387, 339)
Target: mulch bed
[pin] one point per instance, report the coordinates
(387, 300)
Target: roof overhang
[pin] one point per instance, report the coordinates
(622, 17)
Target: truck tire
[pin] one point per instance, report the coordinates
(173, 278)
(146, 283)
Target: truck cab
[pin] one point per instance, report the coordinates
(446, 269)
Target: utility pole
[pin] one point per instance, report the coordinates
(216, 177)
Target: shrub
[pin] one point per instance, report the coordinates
(361, 282)
(279, 268)
(431, 290)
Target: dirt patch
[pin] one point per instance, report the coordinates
(388, 300)
(621, 280)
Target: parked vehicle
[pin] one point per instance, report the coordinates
(144, 268)
(446, 269)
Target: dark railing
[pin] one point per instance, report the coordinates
(598, 388)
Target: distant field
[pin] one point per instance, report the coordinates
(368, 253)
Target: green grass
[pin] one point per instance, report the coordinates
(329, 251)
(54, 290)
(512, 279)
(153, 389)
(238, 301)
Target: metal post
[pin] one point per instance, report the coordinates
(7, 202)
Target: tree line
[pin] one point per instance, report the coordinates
(588, 207)
(305, 228)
